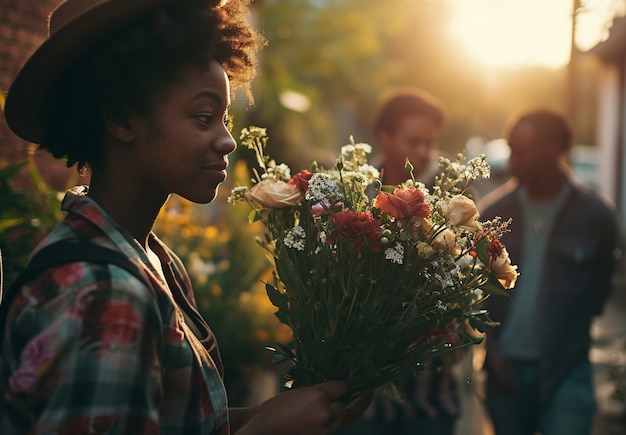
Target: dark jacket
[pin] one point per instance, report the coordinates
(582, 252)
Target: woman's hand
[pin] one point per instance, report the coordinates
(355, 409)
(314, 410)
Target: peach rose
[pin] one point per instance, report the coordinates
(403, 203)
(462, 212)
(446, 241)
(275, 193)
(501, 266)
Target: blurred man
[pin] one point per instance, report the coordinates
(564, 240)
(408, 124)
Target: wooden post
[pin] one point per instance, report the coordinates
(572, 73)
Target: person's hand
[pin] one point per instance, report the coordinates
(355, 409)
(314, 410)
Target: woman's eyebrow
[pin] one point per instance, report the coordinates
(208, 94)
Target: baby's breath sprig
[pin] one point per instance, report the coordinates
(255, 138)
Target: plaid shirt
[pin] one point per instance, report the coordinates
(91, 349)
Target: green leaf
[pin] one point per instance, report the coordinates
(277, 298)
(252, 216)
(482, 250)
(7, 224)
(493, 287)
(283, 316)
(477, 324)
(11, 170)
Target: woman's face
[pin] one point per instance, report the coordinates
(182, 146)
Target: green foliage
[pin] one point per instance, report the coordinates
(26, 216)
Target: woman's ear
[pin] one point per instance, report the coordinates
(119, 126)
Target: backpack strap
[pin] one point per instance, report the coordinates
(63, 252)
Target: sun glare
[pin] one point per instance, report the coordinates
(514, 33)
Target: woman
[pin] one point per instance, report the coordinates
(137, 91)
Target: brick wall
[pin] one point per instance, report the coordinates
(23, 26)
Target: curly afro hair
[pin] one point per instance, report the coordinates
(126, 71)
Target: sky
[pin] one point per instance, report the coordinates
(515, 33)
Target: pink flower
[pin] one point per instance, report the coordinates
(403, 203)
(320, 208)
(35, 358)
(324, 207)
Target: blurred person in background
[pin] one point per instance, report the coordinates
(564, 238)
(408, 124)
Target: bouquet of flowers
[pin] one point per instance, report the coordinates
(374, 281)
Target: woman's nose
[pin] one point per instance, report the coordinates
(226, 144)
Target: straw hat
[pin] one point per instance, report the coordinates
(73, 27)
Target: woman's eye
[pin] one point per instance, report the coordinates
(204, 118)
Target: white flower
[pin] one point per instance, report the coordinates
(369, 171)
(395, 254)
(478, 167)
(441, 305)
(366, 148)
(424, 250)
(238, 194)
(355, 177)
(252, 132)
(347, 150)
(321, 186)
(279, 172)
(355, 155)
(295, 238)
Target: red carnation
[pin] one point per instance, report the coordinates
(357, 227)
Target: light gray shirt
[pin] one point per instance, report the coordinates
(520, 336)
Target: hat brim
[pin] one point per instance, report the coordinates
(41, 71)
